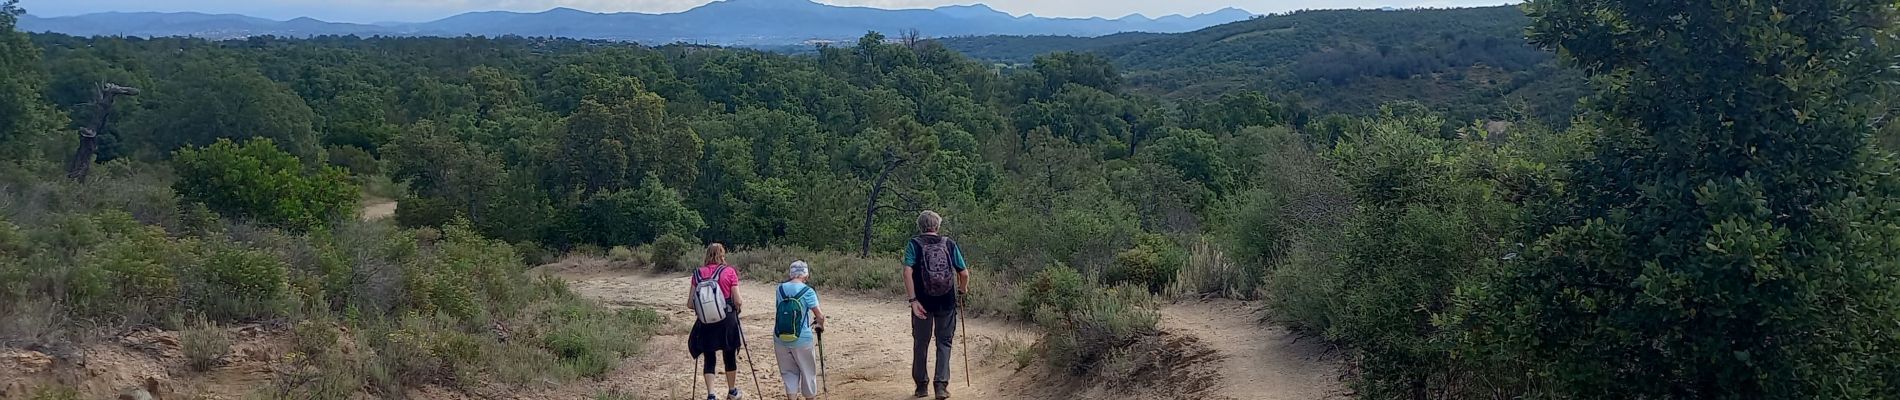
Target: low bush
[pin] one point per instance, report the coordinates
(1083, 323)
(54, 392)
(590, 340)
(1055, 292)
(204, 343)
(829, 269)
(669, 253)
(1154, 263)
(313, 337)
(621, 254)
(354, 160)
(237, 283)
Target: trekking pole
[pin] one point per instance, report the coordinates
(693, 392)
(823, 380)
(747, 344)
(966, 347)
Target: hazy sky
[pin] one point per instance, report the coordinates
(422, 10)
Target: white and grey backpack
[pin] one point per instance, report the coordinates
(709, 300)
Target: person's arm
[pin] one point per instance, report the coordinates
(910, 290)
(963, 269)
(910, 280)
(817, 317)
(735, 291)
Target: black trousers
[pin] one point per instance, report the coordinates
(942, 326)
(732, 361)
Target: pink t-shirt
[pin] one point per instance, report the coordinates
(728, 280)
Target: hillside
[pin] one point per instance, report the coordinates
(1470, 62)
(730, 22)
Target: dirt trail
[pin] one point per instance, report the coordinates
(868, 347)
(867, 343)
(376, 209)
(1261, 361)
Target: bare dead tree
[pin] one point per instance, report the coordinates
(891, 162)
(81, 164)
(912, 38)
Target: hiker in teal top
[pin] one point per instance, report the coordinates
(936, 278)
(794, 333)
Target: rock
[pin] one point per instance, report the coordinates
(28, 361)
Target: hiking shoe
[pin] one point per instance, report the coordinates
(921, 391)
(732, 394)
(710, 396)
(943, 390)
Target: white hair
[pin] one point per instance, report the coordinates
(799, 270)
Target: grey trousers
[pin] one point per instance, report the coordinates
(942, 325)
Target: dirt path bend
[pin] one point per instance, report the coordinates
(1259, 361)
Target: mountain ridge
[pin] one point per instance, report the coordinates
(727, 22)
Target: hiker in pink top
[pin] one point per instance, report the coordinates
(721, 337)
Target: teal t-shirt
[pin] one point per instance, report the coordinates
(806, 337)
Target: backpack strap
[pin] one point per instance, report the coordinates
(801, 292)
(917, 258)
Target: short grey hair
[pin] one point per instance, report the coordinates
(799, 270)
(929, 221)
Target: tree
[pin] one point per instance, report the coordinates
(461, 177)
(1063, 68)
(638, 216)
(621, 132)
(256, 180)
(1732, 235)
(22, 112)
(210, 97)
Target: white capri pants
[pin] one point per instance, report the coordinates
(798, 366)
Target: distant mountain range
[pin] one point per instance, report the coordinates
(728, 22)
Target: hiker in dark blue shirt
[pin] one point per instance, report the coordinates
(935, 277)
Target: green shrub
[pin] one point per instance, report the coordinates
(54, 392)
(354, 160)
(669, 253)
(257, 180)
(590, 340)
(313, 337)
(637, 215)
(1084, 324)
(620, 253)
(236, 283)
(1153, 264)
(615, 394)
(1057, 291)
(407, 354)
(204, 344)
(1306, 287)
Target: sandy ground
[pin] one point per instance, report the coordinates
(1260, 361)
(376, 209)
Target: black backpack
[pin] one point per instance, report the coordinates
(935, 264)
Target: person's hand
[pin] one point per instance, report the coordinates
(917, 309)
